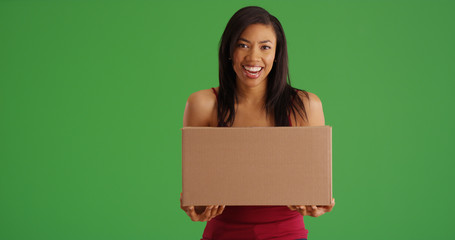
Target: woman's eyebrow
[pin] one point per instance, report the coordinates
(265, 41)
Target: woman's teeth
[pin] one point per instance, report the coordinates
(252, 72)
(252, 69)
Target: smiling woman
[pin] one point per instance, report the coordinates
(255, 37)
(255, 90)
(254, 55)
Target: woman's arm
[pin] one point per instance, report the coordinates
(315, 111)
(315, 114)
(199, 109)
(198, 113)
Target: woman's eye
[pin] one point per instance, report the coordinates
(241, 45)
(266, 47)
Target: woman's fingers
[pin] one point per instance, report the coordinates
(325, 208)
(189, 210)
(300, 208)
(207, 213)
(312, 210)
(309, 210)
(220, 210)
(303, 210)
(292, 207)
(214, 211)
(192, 214)
(318, 211)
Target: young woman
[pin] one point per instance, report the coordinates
(254, 91)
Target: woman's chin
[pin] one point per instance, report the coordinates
(251, 83)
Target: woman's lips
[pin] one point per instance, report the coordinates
(252, 71)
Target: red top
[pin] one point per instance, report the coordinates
(256, 222)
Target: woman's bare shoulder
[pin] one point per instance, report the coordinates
(312, 100)
(199, 108)
(202, 97)
(313, 108)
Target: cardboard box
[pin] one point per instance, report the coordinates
(257, 165)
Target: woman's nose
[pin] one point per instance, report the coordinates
(254, 54)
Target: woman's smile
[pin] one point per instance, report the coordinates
(252, 71)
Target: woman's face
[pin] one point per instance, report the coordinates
(254, 55)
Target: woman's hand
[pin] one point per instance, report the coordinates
(313, 210)
(202, 213)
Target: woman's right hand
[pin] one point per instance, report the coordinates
(202, 213)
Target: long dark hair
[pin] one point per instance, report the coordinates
(281, 98)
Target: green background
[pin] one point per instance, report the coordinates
(92, 95)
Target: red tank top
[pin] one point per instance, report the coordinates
(256, 222)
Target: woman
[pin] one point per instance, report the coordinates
(254, 91)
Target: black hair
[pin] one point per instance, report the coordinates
(281, 98)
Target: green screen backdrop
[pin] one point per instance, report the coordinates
(92, 95)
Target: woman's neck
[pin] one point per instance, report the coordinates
(252, 95)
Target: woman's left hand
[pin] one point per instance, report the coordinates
(312, 210)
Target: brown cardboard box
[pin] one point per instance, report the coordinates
(257, 165)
